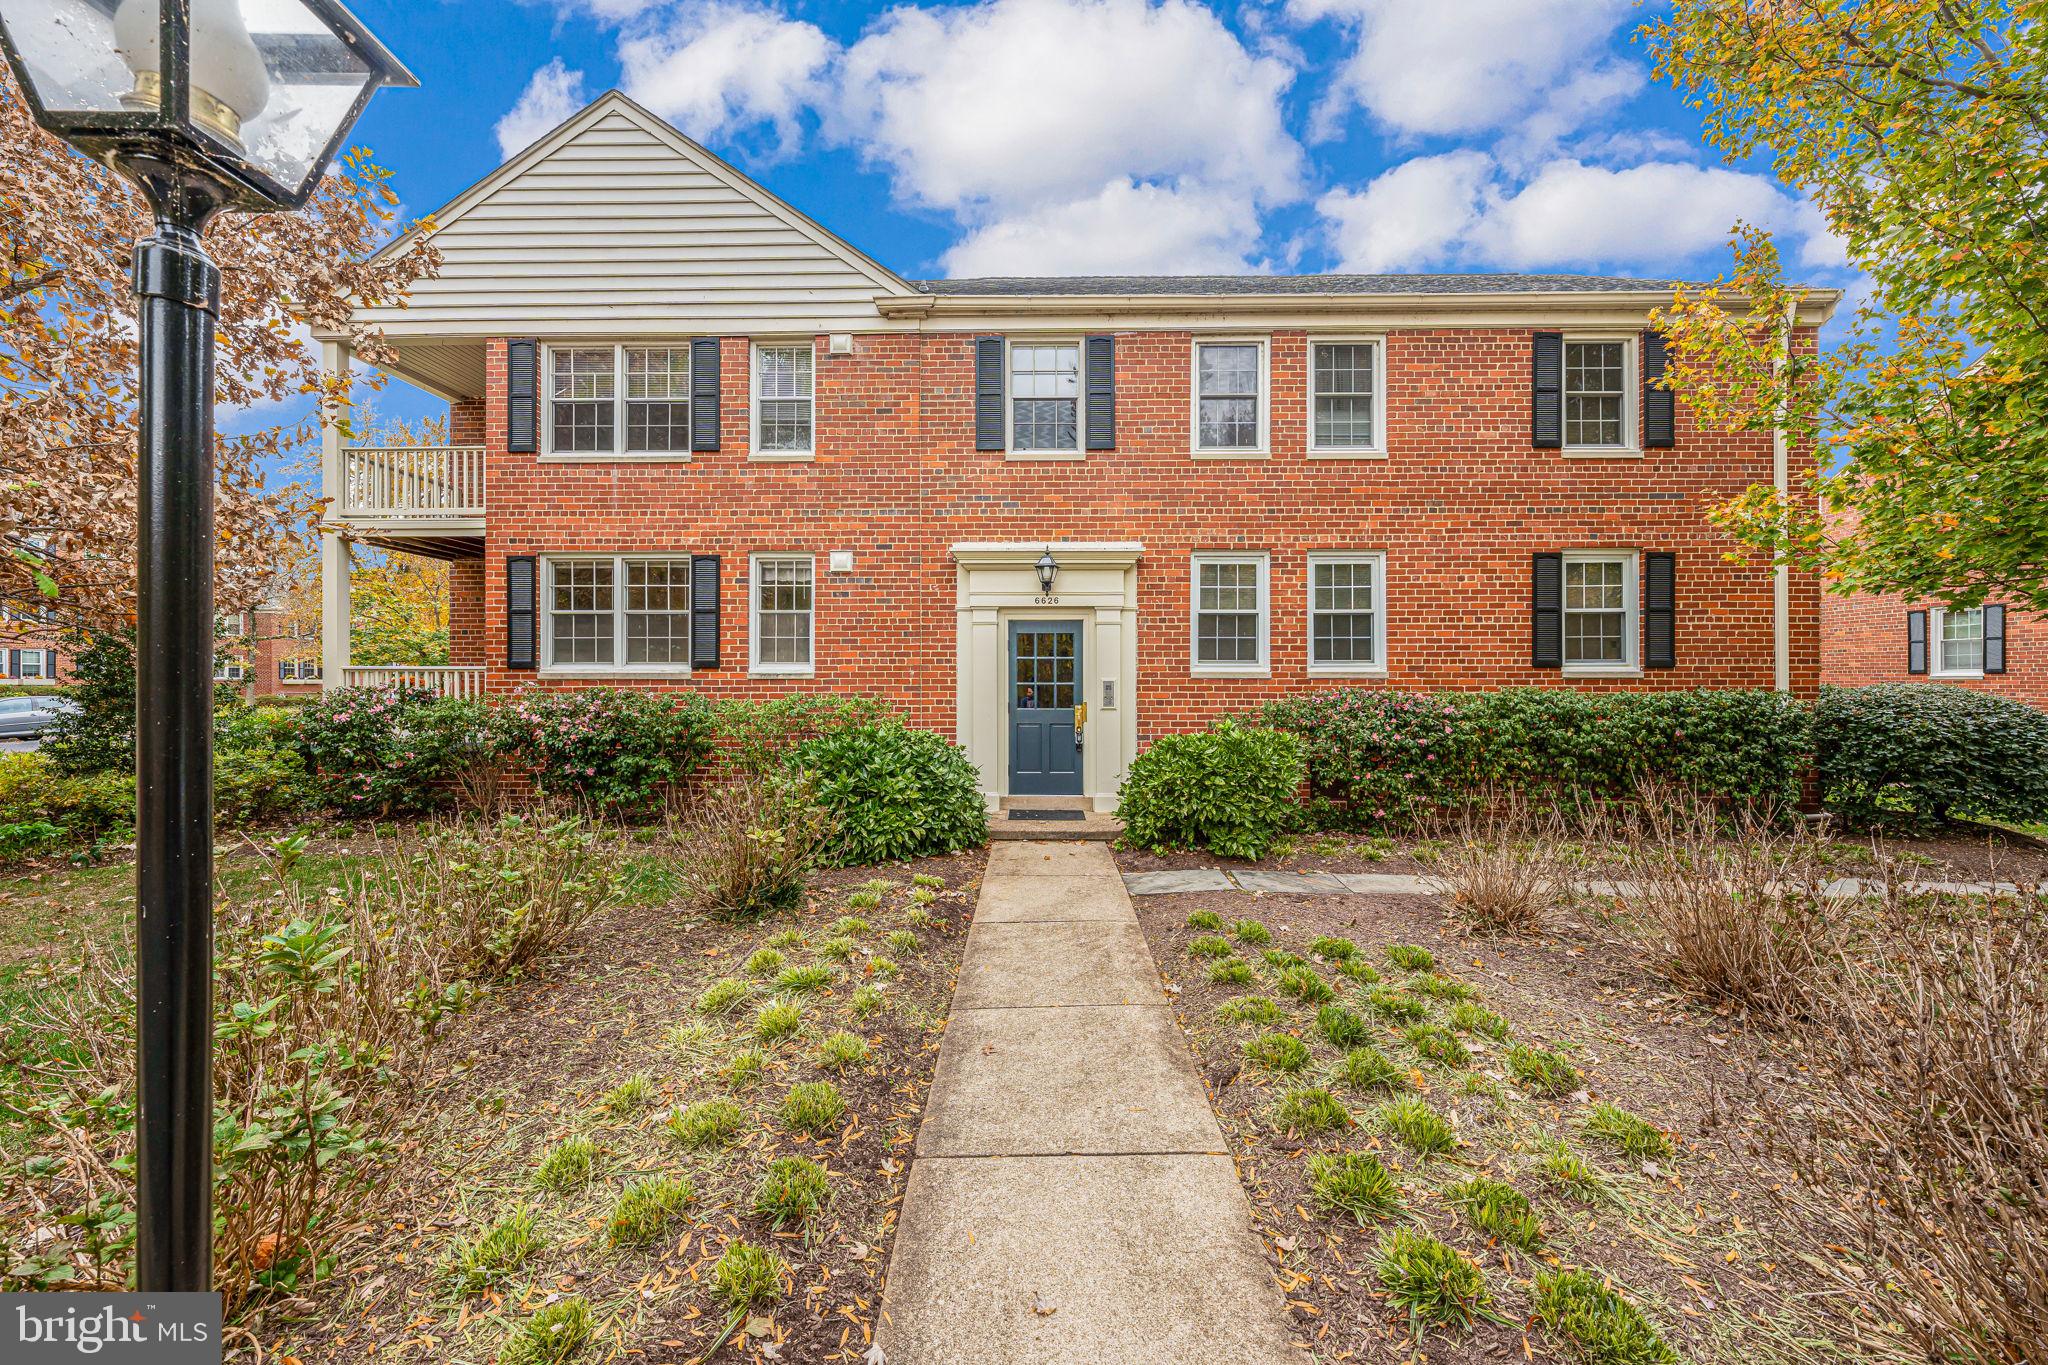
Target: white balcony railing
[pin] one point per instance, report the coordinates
(412, 483)
(447, 682)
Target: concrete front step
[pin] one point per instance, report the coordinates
(1092, 826)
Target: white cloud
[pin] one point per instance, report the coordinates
(1410, 216)
(1435, 69)
(715, 68)
(554, 93)
(1124, 229)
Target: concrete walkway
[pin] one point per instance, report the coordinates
(1071, 1198)
(1408, 884)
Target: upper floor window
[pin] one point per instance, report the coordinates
(1961, 635)
(1598, 411)
(1045, 396)
(784, 606)
(585, 413)
(617, 612)
(783, 414)
(1346, 384)
(1229, 617)
(1230, 392)
(1599, 610)
(1346, 612)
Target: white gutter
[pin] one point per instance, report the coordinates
(1781, 480)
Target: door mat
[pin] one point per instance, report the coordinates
(1048, 815)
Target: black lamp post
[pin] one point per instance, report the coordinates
(206, 105)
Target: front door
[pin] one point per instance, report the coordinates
(1045, 681)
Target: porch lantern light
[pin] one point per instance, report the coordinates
(1048, 569)
(206, 106)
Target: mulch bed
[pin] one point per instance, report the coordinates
(529, 1068)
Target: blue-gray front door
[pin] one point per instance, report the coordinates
(1045, 681)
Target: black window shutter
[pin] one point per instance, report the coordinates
(522, 390)
(13, 663)
(988, 393)
(1546, 611)
(1994, 641)
(1660, 614)
(1101, 393)
(1916, 642)
(703, 611)
(50, 655)
(1660, 405)
(1546, 390)
(704, 393)
(520, 598)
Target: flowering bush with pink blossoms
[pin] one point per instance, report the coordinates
(376, 751)
(608, 747)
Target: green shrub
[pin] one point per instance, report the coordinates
(646, 1209)
(748, 847)
(1311, 1109)
(1341, 1026)
(895, 793)
(99, 736)
(1354, 1183)
(793, 1189)
(1374, 757)
(747, 1276)
(377, 751)
(1594, 1324)
(1916, 754)
(1418, 1127)
(1277, 1051)
(813, 1107)
(1437, 1286)
(1368, 1068)
(36, 798)
(757, 736)
(1635, 1136)
(258, 773)
(613, 748)
(28, 838)
(1230, 790)
(554, 1334)
(1541, 1072)
(1497, 1209)
(708, 1123)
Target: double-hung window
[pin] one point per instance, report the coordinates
(1960, 636)
(1045, 397)
(1230, 397)
(618, 612)
(611, 399)
(1347, 390)
(33, 663)
(1599, 397)
(784, 425)
(784, 611)
(1229, 613)
(1599, 611)
(298, 670)
(1347, 616)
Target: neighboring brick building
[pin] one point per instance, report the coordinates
(698, 442)
(30, 653)
(1871, 638)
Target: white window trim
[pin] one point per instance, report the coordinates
(1378, 449)
(1080, 449)
(1631, 664)
(1378, 559)
(1265, 399)
(754, 450)
(42, 663)
(1262, 667)
(754, 664)
(1631, 397)
(1935, 617)
(544, 629)
(545, 412)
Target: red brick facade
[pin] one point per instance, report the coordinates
(1863, 641)
(1458, 505)
(16, 637)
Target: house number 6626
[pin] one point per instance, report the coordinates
(1045, 601)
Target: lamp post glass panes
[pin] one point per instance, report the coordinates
(206, 105)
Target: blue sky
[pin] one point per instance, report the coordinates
(1125, 136)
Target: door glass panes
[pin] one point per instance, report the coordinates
(782, 619)
(1962, 641)
(1228, 397)
(1595, 612)
(1227, 612)
(1344, 387)
(581, 611)
(1044, 668)
(581, 398)
(1045, 396)
(1593, 406)
(1341, 612)
(657, 398)
(783, 374)
(657, 611)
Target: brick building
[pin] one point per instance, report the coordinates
(699, 442)
(30, 652)
(1879, 638)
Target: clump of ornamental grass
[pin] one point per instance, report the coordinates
(1437, 986)
(1280, 959)
(1306, 985)
(785, 939)
(842, 1049)
(1595, 1324)
(1435, 1285)
(692, 1042)
(747, 1277)
(1467, 1017)
(1502, 861)
(777, 1020)
(646, 1209)
(1277, 1052)
(1572, 1174)
(553, 1335)
(708, 1123)
(849, 926)
(1632, 1135)
(1416, 1126)
(1342, 1027)
(1311, 1109)
(919, 915)
(928, 881)
(1434, 1043)
(1209, 945)
(746, 1067)
(1333, 949)
(627, 1095)
(1394, 1006)
(838, 948)
(805, 980)
(1542, 1072)
(1252, 933)
(1251, 1009)
(492, 1257)
(723, 996)
(1206, 919)
(1355, 1183)
(902, 942)
(1499, 1210)
(794, 1189)
(1233, 971)
(813, 1107)
(1410, 957)
(864, 900)
(764, 962)
(867, 1002)
(1369, 1069)
(568, 1163)
(884, 967)
(1358, 970)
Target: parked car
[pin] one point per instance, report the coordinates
(27, 717)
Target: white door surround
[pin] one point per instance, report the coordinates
(1097, 585)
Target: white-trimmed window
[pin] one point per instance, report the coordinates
(1230, 397)
(617, 611)
(784, 388)
(1347, 395)
(609, 399)
(1599, 611)
(226, 670)
(298, 670)
(1228, 621)
(1959, 641)
(1599, 393)
(1045, 397)
(31, 663)
(1347, 613)
(783, 593)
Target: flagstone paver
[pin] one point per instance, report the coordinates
(1174, 883)
(1290, 883)
(1071, 1200)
